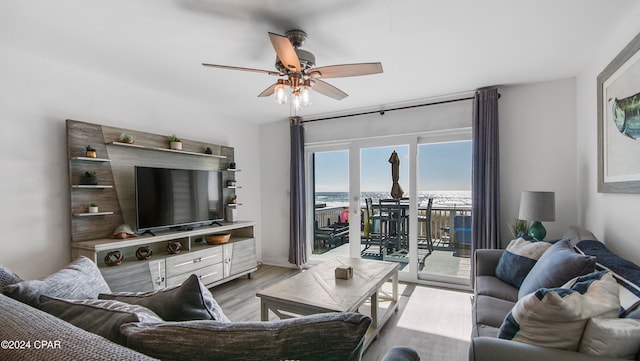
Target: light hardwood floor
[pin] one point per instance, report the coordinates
(437, 323)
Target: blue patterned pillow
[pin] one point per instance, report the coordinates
(557, 317)
(625, 272)
(518, 259)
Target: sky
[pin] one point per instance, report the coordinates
(441, 166)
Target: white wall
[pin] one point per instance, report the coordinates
(538, 150)
(612, 217)
(37, 96)
(274, 189)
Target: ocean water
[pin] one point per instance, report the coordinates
(440, 198)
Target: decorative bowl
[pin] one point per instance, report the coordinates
(218, 238)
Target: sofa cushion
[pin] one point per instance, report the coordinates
(611, 337)
(19, 321)
(559, 264)
(7, 277)
(189, 301)
(79, 280)
(625, 272)
(518, 259)
(494, 287)
(556, 317)
(335, 336)
(490, 311)
(102, 317)
(481, 330)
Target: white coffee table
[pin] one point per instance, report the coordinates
(317, 290)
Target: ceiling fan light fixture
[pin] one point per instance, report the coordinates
(301, 76)
(305, 95)
(297, 102)
(280, 93)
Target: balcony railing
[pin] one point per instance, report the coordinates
(442, 219)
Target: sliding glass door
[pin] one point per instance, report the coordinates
(444, 193)
(425, 229)
(386, 216)
(329, 188)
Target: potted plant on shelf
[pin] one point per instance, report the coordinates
(93, 208)
(91, 152)
(126, 138)
(89, 178)
(175, 143)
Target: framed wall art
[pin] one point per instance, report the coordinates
(619, 122)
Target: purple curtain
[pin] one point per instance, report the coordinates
(485, 206)
(297, 227)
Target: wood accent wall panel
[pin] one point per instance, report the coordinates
(119, 172)
(79, 135)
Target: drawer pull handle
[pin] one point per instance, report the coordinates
(199, 259)
(209, 275)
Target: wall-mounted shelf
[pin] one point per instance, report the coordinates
(131, 145)
(92, 214)
(234, 187)
(91, 159)
(232, 170)
(232, 205)
(90, 186)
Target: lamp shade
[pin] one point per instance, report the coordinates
(538, 206)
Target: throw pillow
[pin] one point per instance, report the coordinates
(334, 336)
(611, 337)
(7, 277)
(518, 259)
(556, 266)
(80, 280)
(189, 301)
(624, 271)
(556, 317)
(102, 317)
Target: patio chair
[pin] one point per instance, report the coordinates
(425, 242)
(372, 235)
(393, 225)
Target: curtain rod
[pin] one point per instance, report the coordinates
(382, 111)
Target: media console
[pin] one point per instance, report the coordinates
(214, 264)
(114, 192)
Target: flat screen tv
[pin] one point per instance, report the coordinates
(172, 198)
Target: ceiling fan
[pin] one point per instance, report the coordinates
(297, 67)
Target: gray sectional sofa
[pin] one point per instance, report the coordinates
(494, 301)
(85, 321)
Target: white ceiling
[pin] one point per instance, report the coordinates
(427, 48)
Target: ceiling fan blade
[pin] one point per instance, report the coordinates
(286, 52)
(269, 91)
(243, 69)
(345, 70)
(329, 90)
